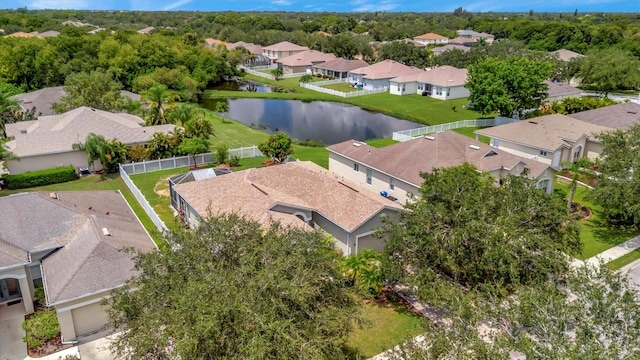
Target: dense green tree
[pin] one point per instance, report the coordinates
(109, 152)
(193, 146)
(277, 147)
(462, 229)
(159, 98)
(508, 86)
(364, 270)
(231, 289)
(406, 53)
(276, 73)
(161, 146)
(610, 69)
(7, 103)
(198, 127)
(96, 90)
(619, 179)
(181, 114)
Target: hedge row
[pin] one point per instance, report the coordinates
(39, 178)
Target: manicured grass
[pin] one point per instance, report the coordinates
(343, 86)
(380, 143)
(422, 109)
(233, 133)
(468, 131)
(155, 188)
(385, 326)
(624, 260)
(595, 236)
(110, 182)
(318, 155)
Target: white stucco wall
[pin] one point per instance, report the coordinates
(523, 151)
(396, 88)
(33, 163)
(592, 150)
(448, 93)
(21, 273)
(84, 309)
(369, 84)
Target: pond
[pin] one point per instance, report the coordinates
(324, 121)
(242, 86)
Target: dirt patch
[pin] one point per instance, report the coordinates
(162, 186)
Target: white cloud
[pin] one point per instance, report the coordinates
(176, 4)
(282, 2)
(59, 4)
(367, 6)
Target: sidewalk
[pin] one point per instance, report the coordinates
(615, 252)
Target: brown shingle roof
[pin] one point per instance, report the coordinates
(306, 58)
(431, 36)
(560, 89)
(57, 133)
(386, 69)
(285, 46)
(87, 261)
(446, 76)
(548, 132)
(342, 65)
(254, 192)
(214, 42)
(21, 34)
(617, 116)
(440, 49)
(408, 159)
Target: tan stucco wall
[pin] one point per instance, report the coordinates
(33, 163)
(592, 149)
(26, 289)
(523, 151)
(65, 313)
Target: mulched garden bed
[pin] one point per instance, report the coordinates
(388, 296)
(48, 348)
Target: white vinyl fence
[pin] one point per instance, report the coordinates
(406, 135)
(143, 202)
(316, 86)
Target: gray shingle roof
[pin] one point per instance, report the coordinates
(57, 133)
(561, 89)
(408, 159)
(548, 132)
(87, 261)
(341, 65)
(617, 116)
(43, 98)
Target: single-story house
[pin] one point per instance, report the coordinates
(559, 90)
(303, 61)
(43, 99)
(443, 82)
(476, 36)
(394, 171)
(618, 116)
(338, 68)
(70, 243)
(550, 139)
(282, 50)
(48, 142)
(431, 38)
(567, 55)
(377, 76)
(441, 49)
(211, 42)
(462, 41)
(251, 47)
(299, 194)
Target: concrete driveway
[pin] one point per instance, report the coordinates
(96, 346)
(11, 333)
(633, 272)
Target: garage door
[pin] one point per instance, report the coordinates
(369, 241)
(88, 319)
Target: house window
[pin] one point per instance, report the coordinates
(438, 90)
(543, 153)
(398, 87)
(496, 143)
(369, 176)
(356, 167)
(576, 153)
(392, 186)
(543, 184)
(403, 87)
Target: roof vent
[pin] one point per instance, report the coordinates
(357, 144)
(23, 131)
(54, 195)
(631, 112)
(106, 232)
(429, 137)
(533, 122)
(474, 147)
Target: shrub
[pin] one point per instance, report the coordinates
(38, 295)
(310, 143)
(222, 154)
(40, 328)
(40, 178)
(234, 161)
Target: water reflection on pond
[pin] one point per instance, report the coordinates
(240, 85)
(328, 122)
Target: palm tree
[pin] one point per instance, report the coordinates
(222, 107)
(277, 73)
(96, 148)
(306, 78)
(7, 103)
(576, 168)
(159, 97)
(365, 270)
(160, 146)
(182, 114)
(199, 127)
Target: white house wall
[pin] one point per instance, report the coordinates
(343, 167)
(369, 84)
(34, 163)
(396, 88)
(523, 151)
(448, 93)
(592, 150)
(73, 315)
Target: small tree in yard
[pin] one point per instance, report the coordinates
(277, 73)
(193, 146)
(306, 78)
(222, 154)
(577, 168)
(277, 147)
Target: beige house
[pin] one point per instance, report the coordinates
(282, 50)
(48, 142)
(338, 68)
(394, 171)
(378, 75)
(70, 244)
(431, 39)
(476, 36)
(618, 116)
(300, 194)
(443, 82)
(550, 139)
(251, 47)
(303, 61)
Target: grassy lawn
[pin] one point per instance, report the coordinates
(343, 86)
(422, 109)
(95, 182)
(380, 143)
(595, 237)
(468, 131)
(385, 327)
(155, 188)
(626, 259)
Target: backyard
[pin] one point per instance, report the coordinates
(422, 109)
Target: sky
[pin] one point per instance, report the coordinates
(333, 5)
